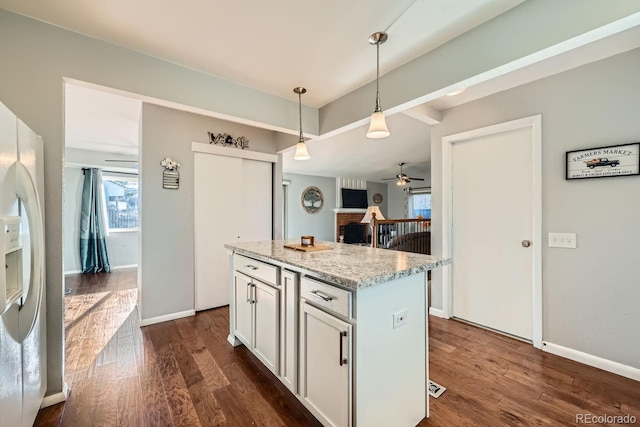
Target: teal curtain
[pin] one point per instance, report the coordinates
(93, 248)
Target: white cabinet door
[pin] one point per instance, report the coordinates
(232, 202)
(243, 303)
(289, 330)
(325, 366)
(266, 331)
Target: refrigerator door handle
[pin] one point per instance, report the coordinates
(26, 191)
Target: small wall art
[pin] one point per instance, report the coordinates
(170, 175)
(228, 141)
(602, 162)
(312, 199)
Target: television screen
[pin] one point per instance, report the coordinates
(354, 198)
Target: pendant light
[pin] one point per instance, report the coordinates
(301, 147)
(378, 126)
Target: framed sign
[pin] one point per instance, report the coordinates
(614, 160)
(312, 200)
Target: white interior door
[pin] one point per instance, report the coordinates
(218, 202)
(492, 272)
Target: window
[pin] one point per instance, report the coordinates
(420, 204)
(121, 200)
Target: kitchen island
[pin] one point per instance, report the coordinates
(345, 329)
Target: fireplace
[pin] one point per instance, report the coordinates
(353, 219)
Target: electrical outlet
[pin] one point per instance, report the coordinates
(399, 318)
(562, 240)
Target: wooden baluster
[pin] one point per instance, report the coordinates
(374, 233)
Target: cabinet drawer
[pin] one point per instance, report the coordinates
(260, 270)
(331, 297)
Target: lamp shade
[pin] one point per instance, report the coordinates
(301, 151)
(369, 214)
(378, 127)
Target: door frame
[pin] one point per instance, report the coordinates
(535, 124)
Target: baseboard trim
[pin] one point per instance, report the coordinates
(70, 272)
(122, 267)
(117, 267)
(56, 398)
(167, 317)
(591, 360)
(436, 312)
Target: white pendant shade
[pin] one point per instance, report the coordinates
(378, 127)
(301, 151)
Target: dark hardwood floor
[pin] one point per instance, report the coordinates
(184, 373)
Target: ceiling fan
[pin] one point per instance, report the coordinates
(402, 178)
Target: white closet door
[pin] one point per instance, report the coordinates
(217, 203)
(257, 184)
(232, 202)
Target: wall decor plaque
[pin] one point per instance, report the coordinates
(170, 174)
(312, 199)
(601, 162)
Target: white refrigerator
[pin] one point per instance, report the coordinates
(22, 281)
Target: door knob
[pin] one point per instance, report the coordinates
(525, 243)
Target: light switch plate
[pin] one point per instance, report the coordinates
(562, 240)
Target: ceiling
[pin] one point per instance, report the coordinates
(101, 121)
(322, 46)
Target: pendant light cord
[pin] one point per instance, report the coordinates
(378, 108)
(300, 114)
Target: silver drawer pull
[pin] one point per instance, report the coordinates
(251, 267)
(343, 360)
(322, 296)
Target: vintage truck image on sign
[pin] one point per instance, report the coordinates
(601, 162)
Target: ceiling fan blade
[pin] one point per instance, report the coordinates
(417, 179)
(388, 179)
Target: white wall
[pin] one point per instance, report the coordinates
(167, 250)
(590, 294)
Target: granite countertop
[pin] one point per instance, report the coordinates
(351, 266)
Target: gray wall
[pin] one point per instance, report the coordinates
(167, 258)
(396, 201)
(590, 294)
(37, 57)
(319, 224)
(376, 187)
